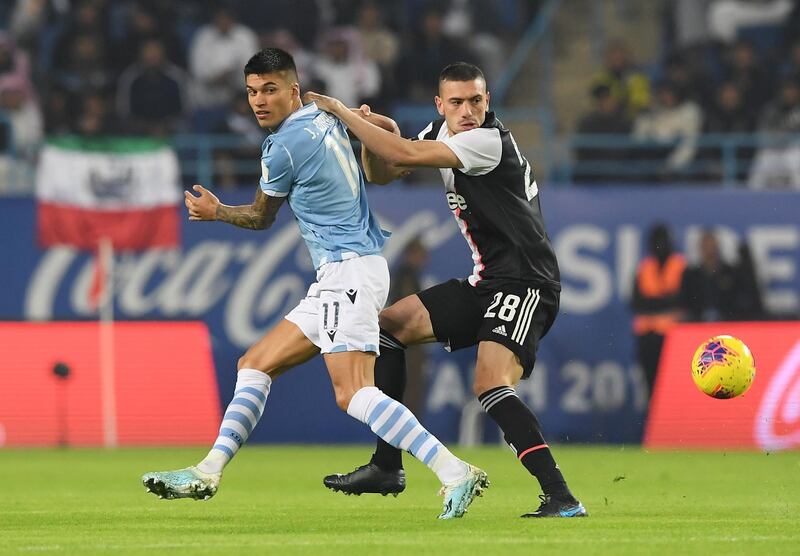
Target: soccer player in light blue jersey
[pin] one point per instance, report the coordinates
(307, 161)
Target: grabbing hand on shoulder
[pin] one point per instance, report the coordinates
(328, 104)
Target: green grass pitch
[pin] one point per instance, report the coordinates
(272, 502)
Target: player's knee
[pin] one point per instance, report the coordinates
(404, 326)
(388, 321)
(486, 380)
(479, 386)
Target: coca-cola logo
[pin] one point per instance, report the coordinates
(778, 418)
(255, 283)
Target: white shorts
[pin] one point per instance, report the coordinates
(340, 310)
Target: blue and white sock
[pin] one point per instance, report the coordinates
(241, 417)
(396, 425)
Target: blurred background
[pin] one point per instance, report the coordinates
(664, 136)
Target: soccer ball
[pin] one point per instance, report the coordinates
(723, 367)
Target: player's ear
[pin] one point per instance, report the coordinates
(488, 98)
(439, 104)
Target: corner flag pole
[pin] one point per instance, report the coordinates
(105, 261)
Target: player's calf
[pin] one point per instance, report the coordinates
(395, 424)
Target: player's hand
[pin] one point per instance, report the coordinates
(203, 207)
(363, 111)
(328, 104)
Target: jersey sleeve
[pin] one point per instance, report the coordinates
(276, 171)
(479, 150)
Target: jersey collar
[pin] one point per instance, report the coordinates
(307, 109)
(489, 120)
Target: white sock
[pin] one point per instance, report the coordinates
(396, 425)
(241, 417)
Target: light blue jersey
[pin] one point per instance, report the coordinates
(309, 159)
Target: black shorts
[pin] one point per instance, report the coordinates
(516, 316)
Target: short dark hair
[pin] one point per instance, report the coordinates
(461, 71)
(270, 60)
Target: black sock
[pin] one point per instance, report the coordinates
(523, 433)
(390, 378)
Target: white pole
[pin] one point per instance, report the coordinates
(107, 371)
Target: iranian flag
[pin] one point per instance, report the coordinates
(124, 191)
(106, 195)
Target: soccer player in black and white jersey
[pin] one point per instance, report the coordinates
(508, 303)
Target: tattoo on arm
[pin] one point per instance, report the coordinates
(258, 216)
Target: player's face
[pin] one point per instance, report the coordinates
(463, 104)
(272, 96)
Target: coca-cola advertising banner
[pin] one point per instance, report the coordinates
(586, 386)
(767, 416)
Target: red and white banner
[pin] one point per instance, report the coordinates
(767, 416)
(122, 189)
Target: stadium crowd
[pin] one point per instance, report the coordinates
(729, 67)
(103, 67)
(97, 66)
(725, 92)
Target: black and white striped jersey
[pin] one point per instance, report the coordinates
(495, 201)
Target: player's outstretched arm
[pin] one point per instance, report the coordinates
(392, 148)
(259, 215)
(376, 169)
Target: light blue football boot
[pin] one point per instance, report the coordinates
(182, 483)
(458, 495)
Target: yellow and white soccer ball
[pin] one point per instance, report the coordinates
(723, 367)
